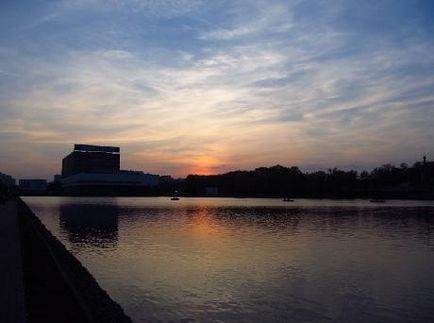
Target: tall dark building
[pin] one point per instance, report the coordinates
(95, 170)
(91, 159)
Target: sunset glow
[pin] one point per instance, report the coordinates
(205, 88)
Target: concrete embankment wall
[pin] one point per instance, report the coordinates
(58, 288)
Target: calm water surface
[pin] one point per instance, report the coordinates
(253, 260)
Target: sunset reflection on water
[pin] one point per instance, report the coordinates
(253, 260)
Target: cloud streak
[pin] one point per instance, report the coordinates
(250, 86)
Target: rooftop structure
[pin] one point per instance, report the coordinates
(95, 148)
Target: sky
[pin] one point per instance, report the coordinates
(206, 87)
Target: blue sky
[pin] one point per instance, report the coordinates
(211, 86)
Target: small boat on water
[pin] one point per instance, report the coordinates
(287, 199)
(377, 201)
(175, 196)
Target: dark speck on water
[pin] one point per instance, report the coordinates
(253, 260)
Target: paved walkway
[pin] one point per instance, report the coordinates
(12, 303)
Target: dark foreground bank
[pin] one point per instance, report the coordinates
(58, 288)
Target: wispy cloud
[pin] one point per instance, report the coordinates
(259, 86)
(252, 20)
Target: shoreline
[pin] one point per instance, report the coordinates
(58, 288)
(412, 198)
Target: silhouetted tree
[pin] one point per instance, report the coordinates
(281, 181)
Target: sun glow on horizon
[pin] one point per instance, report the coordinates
(218, 86)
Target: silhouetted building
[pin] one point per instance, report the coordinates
(95, 170)
(116, 179)
(7, 180)
(91, 159)
(33, 185)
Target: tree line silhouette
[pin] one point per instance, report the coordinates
(387, 181)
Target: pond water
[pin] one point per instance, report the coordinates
(253, 260)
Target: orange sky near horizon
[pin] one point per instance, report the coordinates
(209, 87)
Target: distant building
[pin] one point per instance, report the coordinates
(116, 179)
(7, 180)
(93, 170)
(33, 185)
(91, 159)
